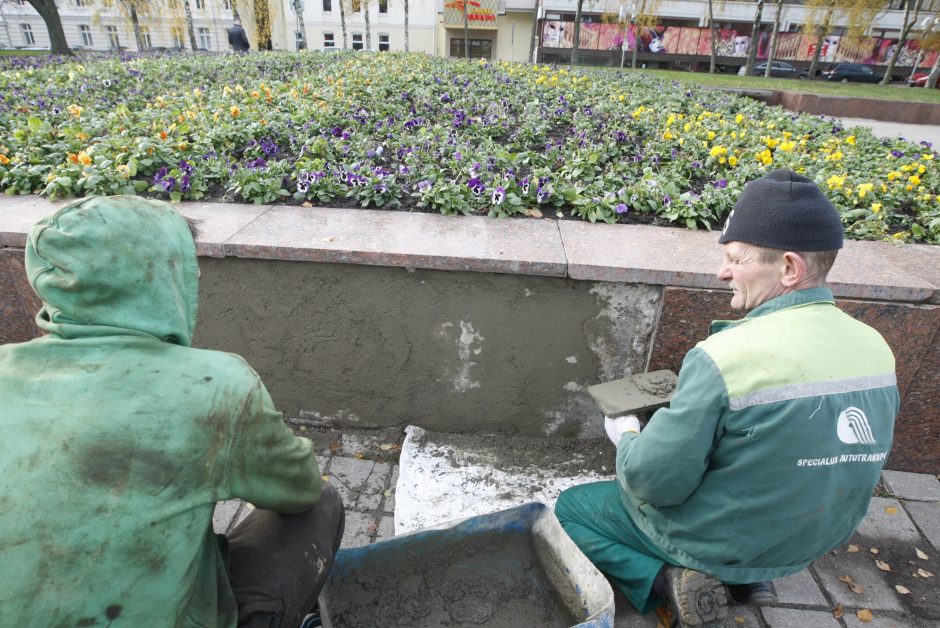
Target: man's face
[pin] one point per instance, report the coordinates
(752, 281)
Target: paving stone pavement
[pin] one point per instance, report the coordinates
(900, 528)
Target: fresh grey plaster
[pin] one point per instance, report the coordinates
(457, 351)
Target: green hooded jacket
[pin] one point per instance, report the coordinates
(119, 437)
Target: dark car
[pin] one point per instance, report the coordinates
(851, 72)
(779, 69)
(919, 80)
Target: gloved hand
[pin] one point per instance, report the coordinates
(616, 428)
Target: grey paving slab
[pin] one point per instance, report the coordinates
(386, 528)
(862, 271)
(877, 595)
(17, 217)
(683, 258)
(794, 618)
(912, 486)
(225, 513)
(359, 529)
(218, 222)
(349, 476)
(471, 243)
(927, 517)
(886, 519)
(390, 493)
(799, 588)
(372, 492)
(852, 621)
(641, 254)
(915, 133)
(921, 260)
(625, 616)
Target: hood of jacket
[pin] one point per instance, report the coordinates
(115, 265)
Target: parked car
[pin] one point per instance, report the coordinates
(851, 72)
(919, 80)
(780, 69)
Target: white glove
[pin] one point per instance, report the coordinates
(616, 428)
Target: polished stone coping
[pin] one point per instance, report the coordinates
(557, 248)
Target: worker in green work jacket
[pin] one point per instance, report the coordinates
(119, 438)
(774, 440)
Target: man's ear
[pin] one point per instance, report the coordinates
(795, 270)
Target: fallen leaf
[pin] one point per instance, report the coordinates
(389, 447)
(837, 612)
(852, 549)
(846, 579)
(360, 456)
(873, 550)
(921, 555)
(902, 589)
(534, 213)
(328, 239)
(559, 214)
(372, 527)
(864, 615)
(923, 573)
(883, 566)
(739, 620)
(891, 510)
(335, 446)
(306, 204)
(857, 588)
(302, 428)
(250, 505)
(326, 478)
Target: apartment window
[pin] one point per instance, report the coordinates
(113, 40)
(357, 41)
(479, 48)
(299, 42)
(200, 4)
(327, 6)
(383, 6)
(328, 40)
(79, 3)
(85, 31)
(383, 42)
(226, 5)
(176, 34)
(356, 5)
(145, 37)
(28, 34)
(205, 42)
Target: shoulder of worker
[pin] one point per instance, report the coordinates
(218, 368)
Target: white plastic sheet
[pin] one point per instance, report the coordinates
(440, 481)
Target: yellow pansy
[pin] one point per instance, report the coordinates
(876, 207)
(835, 181)
(864, 188)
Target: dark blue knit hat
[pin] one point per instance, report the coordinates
(784, 210)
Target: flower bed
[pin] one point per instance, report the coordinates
(400, 131)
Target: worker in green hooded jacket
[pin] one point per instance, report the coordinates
(119, 438)
(775, 436)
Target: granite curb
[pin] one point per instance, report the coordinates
(544, 247)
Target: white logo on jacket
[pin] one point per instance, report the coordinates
(853, 427)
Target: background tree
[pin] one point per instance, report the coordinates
(49, 13)
(188, 11)
(713, 37)
(645, 17)
(772, 52)
(536, 35)
(301, 24)
(818, 25)
(755, 38)
(406, 26)
(907, 25)
(576, 42)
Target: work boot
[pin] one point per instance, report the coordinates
(696, 598)
(754, 593)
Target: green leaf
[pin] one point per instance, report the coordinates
(175, 197)
(592, 158)
(35, 124)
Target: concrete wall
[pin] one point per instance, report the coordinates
(452, 351)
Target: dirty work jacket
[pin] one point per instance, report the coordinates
(769, 451)
(118, 437)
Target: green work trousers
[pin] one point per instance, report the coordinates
(595, 519)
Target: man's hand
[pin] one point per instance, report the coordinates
(618, 427)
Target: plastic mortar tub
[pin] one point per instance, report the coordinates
(513, 568)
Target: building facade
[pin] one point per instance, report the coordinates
(511, 30)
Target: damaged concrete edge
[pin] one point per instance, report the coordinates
(224, 226)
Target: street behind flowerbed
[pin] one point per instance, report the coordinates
(413, 132)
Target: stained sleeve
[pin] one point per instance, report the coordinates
(270, 467)
(665, 463)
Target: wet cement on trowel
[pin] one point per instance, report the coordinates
(489, 579)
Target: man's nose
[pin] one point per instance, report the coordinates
(724, 273)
